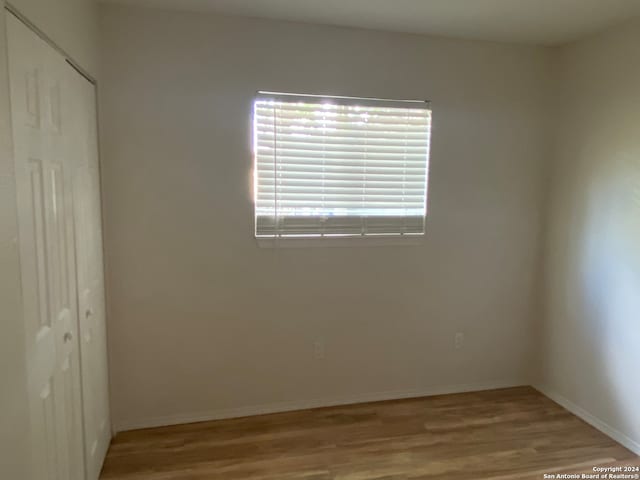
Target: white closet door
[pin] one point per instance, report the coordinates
(39, 91)
(90, 275)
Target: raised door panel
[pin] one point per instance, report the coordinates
(59, 96)
(97, 298)
(44, 200)
(27, 85)
(90, 280)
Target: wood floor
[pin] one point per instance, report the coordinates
(514, 433)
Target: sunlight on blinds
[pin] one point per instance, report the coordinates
(340, 168)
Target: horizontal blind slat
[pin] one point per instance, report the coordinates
(340, 132)
(270, 182)
(370, 176)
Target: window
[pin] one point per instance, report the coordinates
(336, 167)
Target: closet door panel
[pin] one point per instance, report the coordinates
(90, 277)
(47, 251)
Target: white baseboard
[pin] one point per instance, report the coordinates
(591, 419)
(307, 404)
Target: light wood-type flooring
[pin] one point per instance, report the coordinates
(506, 434)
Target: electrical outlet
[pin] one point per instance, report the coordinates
(318, 349)
(459, 340)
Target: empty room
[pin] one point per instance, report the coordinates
(319, 239)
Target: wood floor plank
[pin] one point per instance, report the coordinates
(507, 434)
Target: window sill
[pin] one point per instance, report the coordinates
(368, 241)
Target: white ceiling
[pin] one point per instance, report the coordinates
(543, 22)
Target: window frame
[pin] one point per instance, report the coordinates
(346, 240)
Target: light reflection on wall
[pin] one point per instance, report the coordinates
(609, 273)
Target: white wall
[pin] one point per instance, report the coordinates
(591, 337)
(204, 322)
(72, 25)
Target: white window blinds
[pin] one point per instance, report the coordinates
(327, 166)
